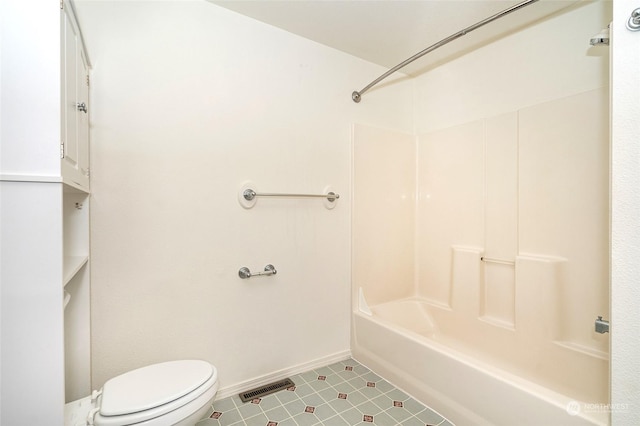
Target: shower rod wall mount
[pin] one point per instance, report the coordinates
(356, 96)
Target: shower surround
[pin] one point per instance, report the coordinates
(479, 289)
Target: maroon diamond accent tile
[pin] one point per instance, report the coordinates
(397, 404)
(371, 385)
(322, 377)
(348, 368)
(256, 401)
(309, 409)
(215, 415)
(342, 396)
(272, 424)
(367, 418)
(291, 388)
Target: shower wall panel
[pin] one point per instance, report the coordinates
(383, 212)
(564, 205)
(450, 204)
(501, 219)
(501, 188)
(524, 190)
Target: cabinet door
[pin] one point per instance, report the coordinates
(83, 118)
(75, 123)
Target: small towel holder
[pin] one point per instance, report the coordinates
(245, 273)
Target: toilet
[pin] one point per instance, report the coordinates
(174, 393)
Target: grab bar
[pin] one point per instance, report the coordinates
(501, 261)
(250, 194)
(245, 273)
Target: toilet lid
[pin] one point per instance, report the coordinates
(152, 386)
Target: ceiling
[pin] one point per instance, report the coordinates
(387, 32)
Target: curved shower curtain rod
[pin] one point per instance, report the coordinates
(356, 96)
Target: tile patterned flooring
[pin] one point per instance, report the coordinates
(340, 394)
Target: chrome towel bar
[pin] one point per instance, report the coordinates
(250, 194)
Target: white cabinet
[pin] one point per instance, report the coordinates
(75, 105)
(45, 94)
(44, 212)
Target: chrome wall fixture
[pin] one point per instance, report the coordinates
(602, 37)
(602, 326)
(356, 96)
(633, 24)
(245, 273)
(248, 196)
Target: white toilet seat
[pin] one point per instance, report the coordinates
(159, 394)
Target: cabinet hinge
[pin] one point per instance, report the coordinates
(61, 4)
(61, 150)
(87, 80)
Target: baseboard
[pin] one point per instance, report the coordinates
(281, 374)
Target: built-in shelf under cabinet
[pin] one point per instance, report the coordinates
(76, 293)
(75, 232)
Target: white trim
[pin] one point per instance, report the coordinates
(281, 374)
(42, 179)
(30, 178)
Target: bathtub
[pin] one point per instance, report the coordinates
(476, 377)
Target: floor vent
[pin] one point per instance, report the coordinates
(266, 390)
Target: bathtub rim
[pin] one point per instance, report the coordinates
(459, 413)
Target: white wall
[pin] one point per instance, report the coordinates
(31, 310)
(189, 101)
(31, 78)
(549, 60)
(625, 220)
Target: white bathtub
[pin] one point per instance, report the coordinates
(483, 379)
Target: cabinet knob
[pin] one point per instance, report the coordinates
(82, 107)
